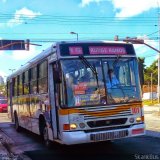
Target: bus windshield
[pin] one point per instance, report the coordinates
(115, 81)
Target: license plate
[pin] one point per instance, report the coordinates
(109, 135)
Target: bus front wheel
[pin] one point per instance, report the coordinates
(47, 142)
(44, 132)
(16, 122)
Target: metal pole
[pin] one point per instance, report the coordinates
(158, 87)
(77, 36)
(151, 88)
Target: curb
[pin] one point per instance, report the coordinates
(10, 152)
(152, 133)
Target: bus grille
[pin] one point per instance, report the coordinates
(109, 135)
(108, 122)
(100, 113)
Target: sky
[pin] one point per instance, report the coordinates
(44, 22)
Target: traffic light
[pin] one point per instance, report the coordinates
(12, 45)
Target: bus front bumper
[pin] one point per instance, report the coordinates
(78, 137)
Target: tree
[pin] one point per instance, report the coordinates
(3, 90)
(147, 73)
(141, 69)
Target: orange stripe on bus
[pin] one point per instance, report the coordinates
(142, 118)
(98, 113)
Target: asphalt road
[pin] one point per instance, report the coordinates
(143, 147)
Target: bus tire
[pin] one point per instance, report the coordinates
(16, 123)
(46, 140)
(44, 132)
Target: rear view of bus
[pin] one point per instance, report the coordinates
(100, 95)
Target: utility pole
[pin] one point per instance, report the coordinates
(158, 87)
(152, 88)
(148, 87)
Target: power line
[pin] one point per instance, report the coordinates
(152, 33)
(79, 20)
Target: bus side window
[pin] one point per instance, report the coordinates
(43, 77)
(20, 87)
(14, 86)
(33, 80)
(26, 82)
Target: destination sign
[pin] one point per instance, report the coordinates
(107, 50)
(75, 50)
(93, 49)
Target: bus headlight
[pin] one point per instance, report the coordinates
(138, 119)
(73, 126)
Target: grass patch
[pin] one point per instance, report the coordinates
(150, 102)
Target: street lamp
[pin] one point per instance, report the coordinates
(12, 70)
(75, 33)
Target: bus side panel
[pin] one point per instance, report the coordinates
(25, 104)
(20, 113)
(15, 105)
(39, 106)
(35, 112)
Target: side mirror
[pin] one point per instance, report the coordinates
(56, 76)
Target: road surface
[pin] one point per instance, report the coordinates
(30, 146)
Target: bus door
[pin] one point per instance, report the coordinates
(53, 92)
(9, 95)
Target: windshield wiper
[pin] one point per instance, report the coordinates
(116, 60)
(93, 69)
(86, 63)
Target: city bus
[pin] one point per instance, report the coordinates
(65, 94)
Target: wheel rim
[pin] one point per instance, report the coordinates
(16, 123)
(45, 136)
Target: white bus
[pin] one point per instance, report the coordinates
(67, 94)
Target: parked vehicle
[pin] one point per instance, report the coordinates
(3, 105)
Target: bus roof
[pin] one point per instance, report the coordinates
(52, 49)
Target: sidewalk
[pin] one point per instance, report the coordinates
(8, 149)
(152, 120)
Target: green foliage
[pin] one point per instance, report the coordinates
(141, 69)
(3, 90)
(147, 73)
(150, 102)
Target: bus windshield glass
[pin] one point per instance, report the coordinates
(121, 80)
(115, 81)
